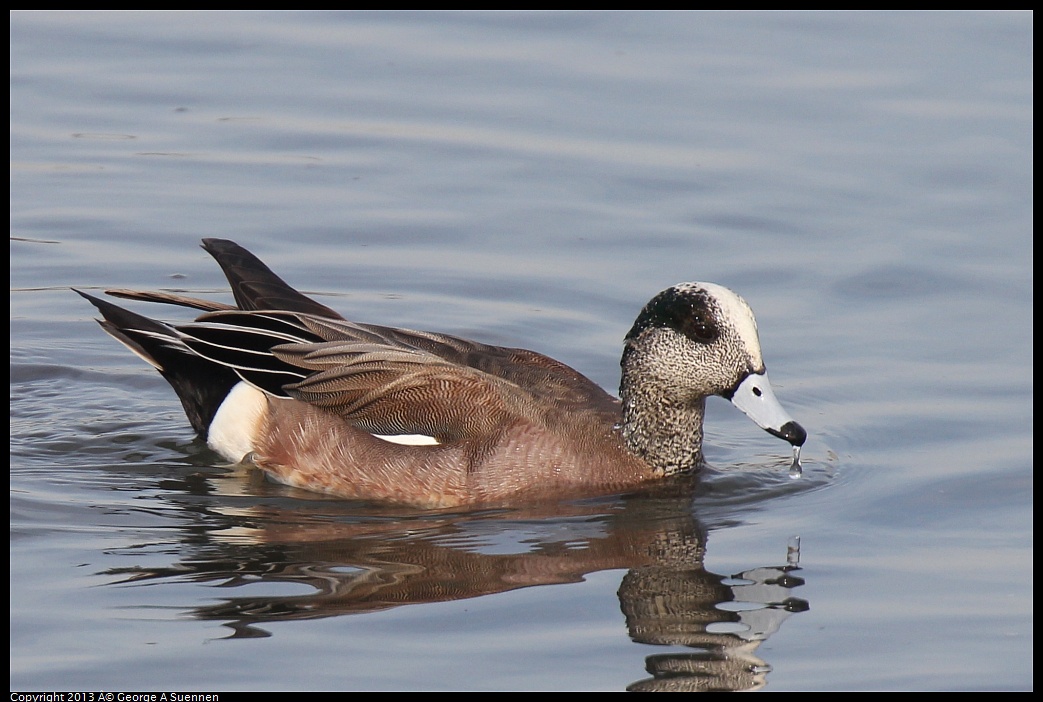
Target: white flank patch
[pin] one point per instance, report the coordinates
(234, 430)
(408, 439)
(738, 313)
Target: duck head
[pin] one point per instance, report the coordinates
(691, 341)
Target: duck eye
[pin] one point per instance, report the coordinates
(699, 329)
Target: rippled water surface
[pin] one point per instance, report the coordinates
(531, 179)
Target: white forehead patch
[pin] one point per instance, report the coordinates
(736, 311)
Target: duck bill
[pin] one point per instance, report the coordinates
(756, 399)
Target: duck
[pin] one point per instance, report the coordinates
(283, 383)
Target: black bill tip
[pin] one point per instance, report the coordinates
(791, 432)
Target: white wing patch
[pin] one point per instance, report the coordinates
(408, 439)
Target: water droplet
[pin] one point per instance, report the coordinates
(796, 470)
(793, 552)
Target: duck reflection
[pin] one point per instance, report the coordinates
(356, 558)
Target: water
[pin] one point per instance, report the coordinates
(863, 180)
(796, 469)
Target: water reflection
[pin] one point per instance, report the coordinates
(724, 620)
(362, 559)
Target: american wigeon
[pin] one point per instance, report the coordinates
(364, 411)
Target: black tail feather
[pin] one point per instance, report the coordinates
(201, 385)
(255, 286)
(167, 298)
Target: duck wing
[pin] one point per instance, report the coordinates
(395, 381)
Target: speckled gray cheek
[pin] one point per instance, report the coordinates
(734, 358)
